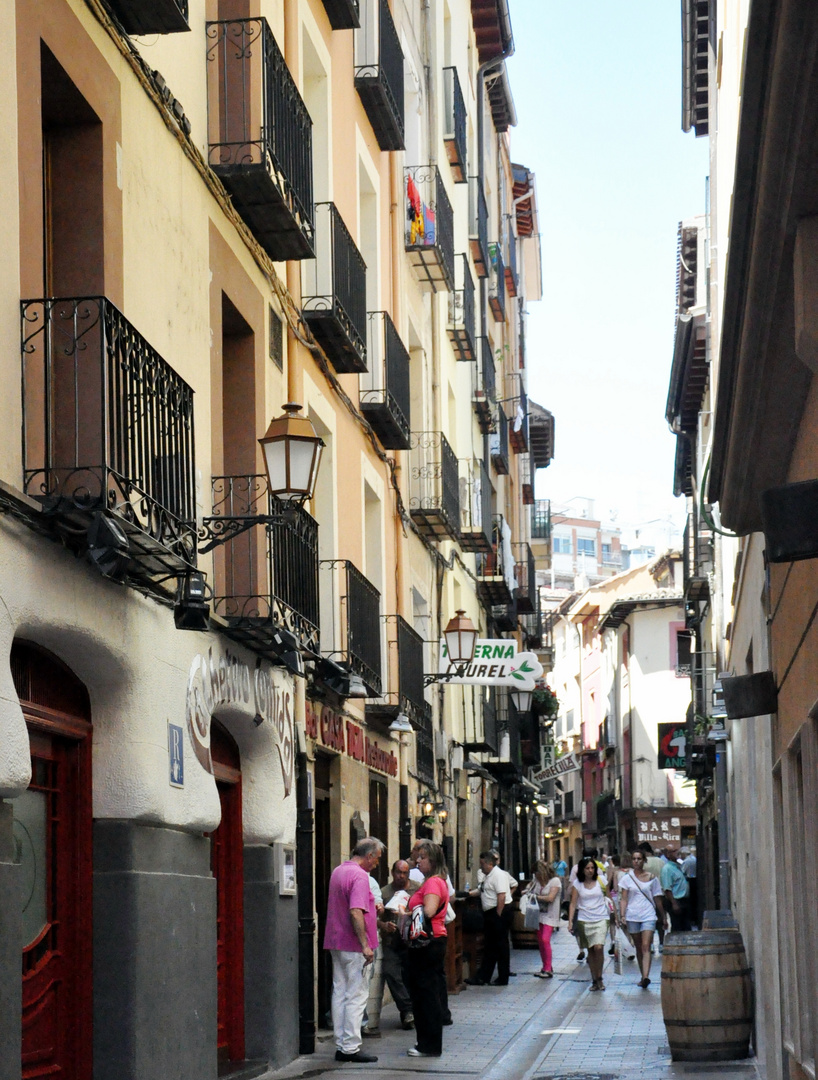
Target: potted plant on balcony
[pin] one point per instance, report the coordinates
(545, 703)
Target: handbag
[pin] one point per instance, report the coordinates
(416, 928)
(532, 913)
(450, 915)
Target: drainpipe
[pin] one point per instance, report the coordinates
(293, 268)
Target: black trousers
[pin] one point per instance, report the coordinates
(496, 945)
(680, 918)
(424, 970)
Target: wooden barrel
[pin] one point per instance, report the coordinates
(706, 996)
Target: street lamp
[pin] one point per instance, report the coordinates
(522, 700)
(292, 454)
(460, 636)
(401, 725)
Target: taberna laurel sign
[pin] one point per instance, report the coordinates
(496, 663)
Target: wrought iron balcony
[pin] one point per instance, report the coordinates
(498, 444)
(379, 73)
(495, 569)
(385, 393)
(334, 292)
(108, 426)
(532, 627)
(355, 640)
(434, 500)
(540, 434)
(526, 577)
(475, 506)
(425, 747)
(541, 520)
(517, 401)
(151, 16)
(260, 136)
(265, 580)
(508, 766)
(497, 283)
(461, 313)
(429, 228)
(479, 227)
(481, 735)
(404, 690)
(343, 14)
(454, 124)
(484, 395)
(511, 266)
(525, 467)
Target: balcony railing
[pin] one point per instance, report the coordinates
(385, 394)
(526, 473)
(356, 641)
(379, 73)
(517, 407)
(526, 577)
(498, 444)
(108, 426)
(334, 292)
(511, 265)
(260, 136)
(429, 228)
(151, 16)
(541, 520)
(484, 394)
(509, 766)
(343, 14)
(265, 580)
(475, 506)
(481, 736)
(461, 313)
(497, 283)
(479, 227)
(495, 569)
(434, 500)
(403, 689)
(425, 747)
(454, 124)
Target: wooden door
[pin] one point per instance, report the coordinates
(323, 870)
(227, 864)
(52, 829)
(379, 823)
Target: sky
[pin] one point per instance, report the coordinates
(597, 89)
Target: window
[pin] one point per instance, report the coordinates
(586, 546)
(607, 553)
(562, 545)
(276, 340)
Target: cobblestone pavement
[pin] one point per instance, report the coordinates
(535, 1029)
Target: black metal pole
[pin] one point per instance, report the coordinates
(306, 903)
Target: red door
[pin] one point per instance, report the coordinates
(227, 863)
(52, 828)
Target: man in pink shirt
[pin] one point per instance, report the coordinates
(351, 935)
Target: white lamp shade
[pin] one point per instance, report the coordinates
(522, 700)
(292, 453)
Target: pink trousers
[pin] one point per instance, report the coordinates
(544, 932)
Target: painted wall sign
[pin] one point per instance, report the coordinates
(226, 680)
(341, 734)
(176, 753)
(672, 746)
(496, 663)
(567, 763)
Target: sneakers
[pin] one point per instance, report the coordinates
(414, 1052)
(359, 1057)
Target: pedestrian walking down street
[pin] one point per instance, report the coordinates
(588, 917)
(547, 888)
(653, 865)
(640, 907)
(495, 899)
(392, 951)
(351, 937)
(425, 965)
(676, 890)
(588, 853)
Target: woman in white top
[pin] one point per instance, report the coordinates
(547, 888)
(588, 917)
(640, 904)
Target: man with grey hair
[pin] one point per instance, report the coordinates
(351, 935)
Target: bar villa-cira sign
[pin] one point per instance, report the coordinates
(496, 663)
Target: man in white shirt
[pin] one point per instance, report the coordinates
(495, 899)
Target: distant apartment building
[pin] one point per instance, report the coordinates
(583, 551)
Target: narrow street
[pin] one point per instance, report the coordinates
(536, 1029)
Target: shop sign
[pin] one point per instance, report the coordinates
(567, 763)
(496, 663)
(220, 680)
(548, 755)
(672, 746)
(341, 734)
(176, 752)
(659, 829)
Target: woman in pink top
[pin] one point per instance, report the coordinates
(424, 966)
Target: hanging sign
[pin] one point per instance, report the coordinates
(548, 755)
(672, 746)
(567, 763)
(496, 663)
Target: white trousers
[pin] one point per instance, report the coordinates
(350, 989)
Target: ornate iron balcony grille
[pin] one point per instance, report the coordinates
(379, 73)
(429, 227)
(434, 498)
(385, 389)
(478, 227)
(410, 669)
(498, 444)
(425, 746)
(454, 124)
(475, 506)
(343, 14)
(359, 646)
(151, 16)
(265, 580)
(108, 425)
(461, 314)
(260, 136)
(511, 265)
(484, 392)
(526, 577)
(495, 578)
(334, 302)
(541, 520)
(497, 283)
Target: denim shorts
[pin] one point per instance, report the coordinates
(638, 927)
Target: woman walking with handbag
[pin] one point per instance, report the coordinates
(426, 955)
(640, 905)
(588, 917)
(546, 890)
